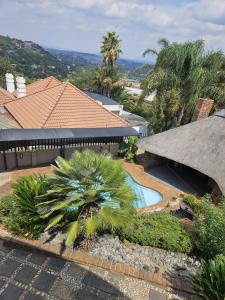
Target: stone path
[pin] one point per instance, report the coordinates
(27, 274)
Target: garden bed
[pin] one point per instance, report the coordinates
(171, 264)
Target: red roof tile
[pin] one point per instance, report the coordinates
(62, 105)
(5, 96)
(40, 85)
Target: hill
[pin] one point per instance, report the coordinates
(80, 59)
(31, 59)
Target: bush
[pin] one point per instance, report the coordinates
(128, 148)
(6, 204)
(210, 228)
(158, 229)
(23, 218)
(209, 283)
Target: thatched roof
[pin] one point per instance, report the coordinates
(199, 145)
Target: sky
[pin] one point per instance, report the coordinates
(80, 24)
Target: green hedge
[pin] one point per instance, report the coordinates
(159, 229)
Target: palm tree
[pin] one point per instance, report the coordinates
(191, 71)
(111, 49)
(89, 192)
(105, 83)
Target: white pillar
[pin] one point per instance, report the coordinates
(21, 87)
(10, 82)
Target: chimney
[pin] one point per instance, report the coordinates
(202, 109)
(21, 87)
(10, 86)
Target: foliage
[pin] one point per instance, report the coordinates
(183, 73)
(83, 78)
(6, 204)
(23, 218)
(193, 202)
(209, 283)
(88, 192)
(158, 229)
(110, 49)
(210, 228)
(5, 67)
(128, 148)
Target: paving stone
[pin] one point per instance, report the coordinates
(12, 292)
(155, 295)
(5, 247)
(87, 295)
(61, 289)
(55, 264)
(76, 271)
(31, 296)
(38, 258)
(2, 282)
(99, 283)
(21, 253)
(26, 274)
(9, 267)
(44, 281)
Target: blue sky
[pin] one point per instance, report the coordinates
(80, 24)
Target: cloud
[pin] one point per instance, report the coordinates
(80, 24)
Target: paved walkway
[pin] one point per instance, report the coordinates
(31, 275)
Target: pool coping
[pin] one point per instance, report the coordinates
(169, 194)
(84, 258)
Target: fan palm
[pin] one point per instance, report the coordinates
(189, 69)
(111, 49)
(89, 192)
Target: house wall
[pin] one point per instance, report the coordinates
(40, 157)
(147, 159)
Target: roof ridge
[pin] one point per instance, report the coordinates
(48, 88)
(59, 97)
(98, 104)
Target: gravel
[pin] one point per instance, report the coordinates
(146, 258)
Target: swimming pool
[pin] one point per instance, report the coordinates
(145, 196)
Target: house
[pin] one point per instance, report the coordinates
(48, 118)
(194, 152)
(135, 121)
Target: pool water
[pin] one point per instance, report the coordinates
(145, 196)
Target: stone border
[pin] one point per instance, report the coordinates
(84, 258)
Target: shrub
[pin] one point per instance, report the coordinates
(6, 204)
(128, 148)
(210, 228)
(88, 192)
(158, 229)
(209, 283)
(23, 218)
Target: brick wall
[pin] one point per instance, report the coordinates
(147, 159)
(202, 109)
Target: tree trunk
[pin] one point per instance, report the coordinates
(181, 115)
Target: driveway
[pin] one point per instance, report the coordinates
(27, 274)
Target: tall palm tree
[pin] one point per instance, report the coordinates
(111, 49)
(191, 71)
(89, 192)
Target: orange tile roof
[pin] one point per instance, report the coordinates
(40, 85)
(61, 106)
(5, 96)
